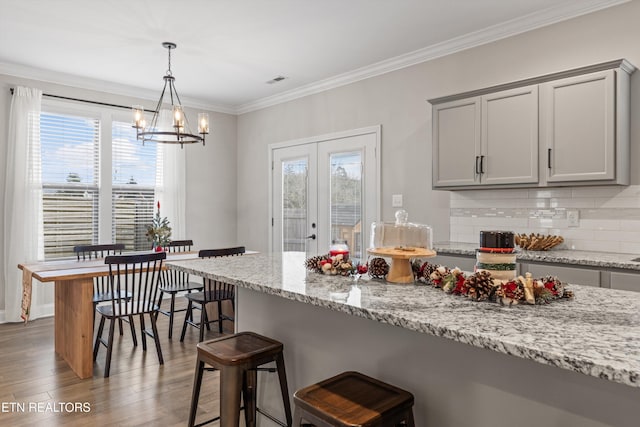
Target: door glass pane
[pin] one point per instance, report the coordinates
(294, 204)
(346, 200)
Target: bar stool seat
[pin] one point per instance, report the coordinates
(238, 358)
(352, 399)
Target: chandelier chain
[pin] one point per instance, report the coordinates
(169, 69)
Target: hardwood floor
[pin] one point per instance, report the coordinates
(37, 388)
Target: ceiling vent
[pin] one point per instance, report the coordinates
(276, 80)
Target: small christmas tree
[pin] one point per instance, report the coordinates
(159, 232)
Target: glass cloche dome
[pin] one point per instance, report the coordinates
(400, 234)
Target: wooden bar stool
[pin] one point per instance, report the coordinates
(238, 358)
(352, 399)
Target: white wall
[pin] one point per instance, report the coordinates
(210, 180)
(397, 101)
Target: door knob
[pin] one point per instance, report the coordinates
(312, 237)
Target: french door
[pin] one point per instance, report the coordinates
(323, 189)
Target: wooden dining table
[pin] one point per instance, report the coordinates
(74, 304)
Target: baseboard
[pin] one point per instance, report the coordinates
(47, 310)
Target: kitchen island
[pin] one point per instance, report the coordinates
(569, 363)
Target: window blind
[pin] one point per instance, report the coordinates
(134, 179)
(69, 169)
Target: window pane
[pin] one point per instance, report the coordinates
(69, 148)
(134, 182)
(294, 205)
(346, 200)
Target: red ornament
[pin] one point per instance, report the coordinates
(362, 268)
(159, 249)
(158, 204)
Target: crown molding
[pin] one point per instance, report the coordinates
(48, 76)
(510, 28)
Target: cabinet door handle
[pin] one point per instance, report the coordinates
(477, 167)
(549, 158)
(481, 164)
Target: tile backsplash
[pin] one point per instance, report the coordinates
(609, 217)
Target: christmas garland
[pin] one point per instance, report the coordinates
(333, 265)
(479, 286)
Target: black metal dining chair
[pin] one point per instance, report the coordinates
(175, 282)
(214, 292)
(100, 284)
(138, 275)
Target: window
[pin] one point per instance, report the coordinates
(99, 182)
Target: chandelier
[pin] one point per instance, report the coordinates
(169, 123)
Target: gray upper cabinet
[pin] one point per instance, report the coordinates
(509, 143)
(567, 128)
(456, 128)
(579, 137)
(475, 139)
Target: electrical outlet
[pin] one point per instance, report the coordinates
(573, 218)
(396, 201)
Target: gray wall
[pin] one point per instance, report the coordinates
(397, 101)
(210, 181)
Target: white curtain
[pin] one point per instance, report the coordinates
(23, 225)
(171, 188)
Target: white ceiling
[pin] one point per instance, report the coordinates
(228, 49)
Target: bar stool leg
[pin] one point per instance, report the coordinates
(197, 382)
(250, 396)
(282, 375)
(297, 417)
(409, 421)
(172, 310)
(230, 390)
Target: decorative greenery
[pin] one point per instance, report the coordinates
(159, 232)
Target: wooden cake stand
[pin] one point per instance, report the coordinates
(400, 271)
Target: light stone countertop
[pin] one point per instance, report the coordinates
(597, 333)
(607, 260)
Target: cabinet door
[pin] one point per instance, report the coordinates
(509, 145)
(464, 263)
(456, 143)
(625, 281)
(575, 275)
(578, 127)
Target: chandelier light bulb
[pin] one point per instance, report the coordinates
(203, 123)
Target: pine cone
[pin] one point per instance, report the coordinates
(378, 268)
(314, 264)
(480, 286)
(415, 268)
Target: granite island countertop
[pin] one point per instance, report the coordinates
(606, 260)
(597, 333)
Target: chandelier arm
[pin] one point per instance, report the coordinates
(156, 114)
